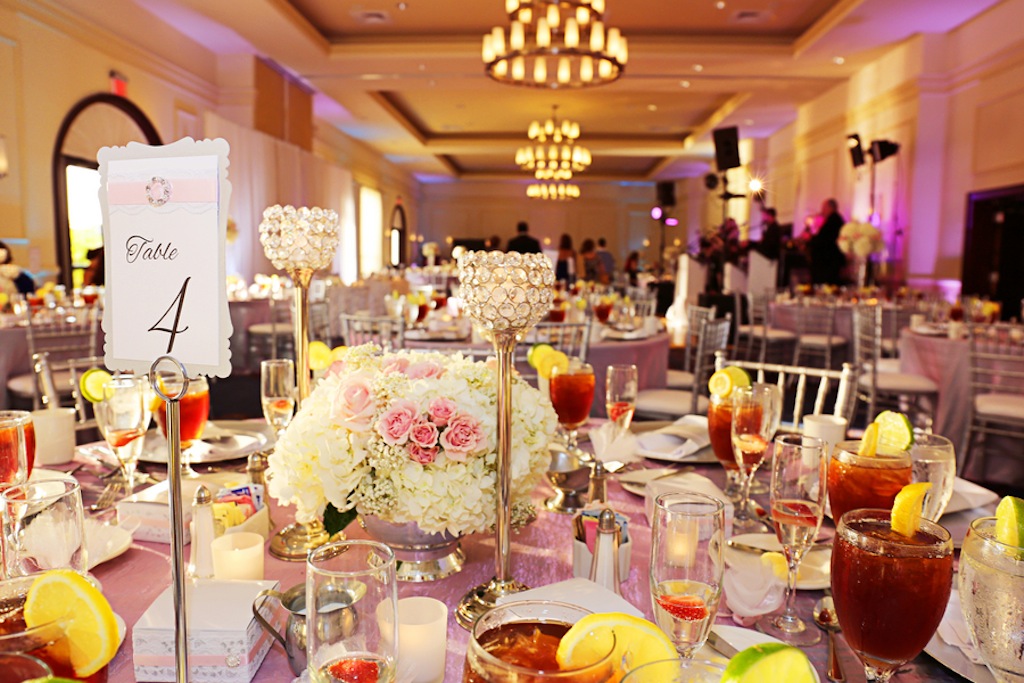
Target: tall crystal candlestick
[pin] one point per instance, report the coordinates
(505, 295)
(300, 242)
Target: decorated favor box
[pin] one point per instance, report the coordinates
(226, 643)
(149, 514)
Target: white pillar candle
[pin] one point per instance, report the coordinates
(422, 639)
(238, 556)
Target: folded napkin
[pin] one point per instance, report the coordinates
(953, 629)
(689, 482)
(677, 441)
(611, 443)
(967, 495)
(753, 590)
(581, 592)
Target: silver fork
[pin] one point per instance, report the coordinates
(108, 497)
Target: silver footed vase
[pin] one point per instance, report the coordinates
(422, 556)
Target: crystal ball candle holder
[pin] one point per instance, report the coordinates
(299, 239)
(505, 292)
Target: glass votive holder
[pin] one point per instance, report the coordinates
(238, 556)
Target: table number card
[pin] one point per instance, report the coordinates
(164, 230)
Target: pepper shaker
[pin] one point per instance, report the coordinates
(200, 564)
(256, 468)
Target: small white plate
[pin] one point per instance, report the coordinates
(815, 569)
(104, 542)
(739, 638)
(953, 659)
(227, 440)
(636, 481)
(43, 474)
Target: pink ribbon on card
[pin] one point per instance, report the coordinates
(159, 191)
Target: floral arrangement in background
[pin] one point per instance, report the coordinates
(430, 249)
(860, 239)
(411, 437)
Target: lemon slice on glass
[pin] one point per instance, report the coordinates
(91, 383)
(338, 353)
(549, 361)
(536, 352)
(869, 442)
(906, 509)
(637, 641)
(319, 355)
(769, 662)
(723, 382)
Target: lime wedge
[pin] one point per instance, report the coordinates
(723, 382)
(895, 433)
(906, 509)
(869, 442)
(769, 662)
(536, 352)
(91, 384)
(1010, 521)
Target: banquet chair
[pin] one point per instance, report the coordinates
(996, 385)
(696, 316)
(62, 334)
(758, 336)
(671, 404)
(320, 322)
(384, 331)
(795, 382)
(816, 338)
(275, 338)
(58, 385)
(894, 320)
(571, 338)
(877, 388)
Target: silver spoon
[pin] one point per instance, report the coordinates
(825, 617)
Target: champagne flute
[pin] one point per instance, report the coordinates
(277, 393)
(572, 395)
(621, 387)
(934, 460)
(686, 566)
(756, 413)
(798, 503)
(123, 418)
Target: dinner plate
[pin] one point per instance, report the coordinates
(815, 569)
(104, 542)
(635, 481)
(625, 335)
(953, 659)
(739, 638)
(226, 440)
(704, 456)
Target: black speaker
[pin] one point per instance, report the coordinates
(666, 194)
(883, 149)
(727, 147)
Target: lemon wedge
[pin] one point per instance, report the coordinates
(723, 382)
(549, 361)
(319, 355)
(91, 383)
(637, 642)
(338, 353)
(869, 442)
(536, 352)
(906, 509)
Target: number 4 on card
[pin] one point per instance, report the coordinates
(173, 331)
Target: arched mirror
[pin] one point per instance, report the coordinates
(396, 237)
(101, 120)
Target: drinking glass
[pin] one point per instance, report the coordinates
(42, 525)
(860, 481)
(193, 411)
(15, 434)
(621, 387)
(720, 434)
(123, 418)
(934, 460)
(798, 503)
(277, 393)
(991, 582)
(572, 395)
(686, 566)
(677, 671)
(352, 612)
(517, 642)
(890, 590)
(756, 413)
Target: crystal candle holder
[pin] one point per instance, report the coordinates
(504, 295)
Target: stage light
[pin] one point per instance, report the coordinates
(856, 151)
(671, 222)
(883, 149)
(657, 213)
(755, 185)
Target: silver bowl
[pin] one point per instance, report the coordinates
(569, 475)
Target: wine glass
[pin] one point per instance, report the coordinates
(621, 386)
(798, 503)
(123, 418)
(572, 395)
(14, 436)
(686, 566)
(756, 413)
(193, 412)
(277, 393)
(934, 460)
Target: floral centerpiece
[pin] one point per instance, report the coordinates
(410, 437)
(860, 240)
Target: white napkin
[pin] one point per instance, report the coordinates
(968, 495)
(753, 591)
(678, 441)
(687, 481)
(581, 592)
(953, 629)
(611, 443)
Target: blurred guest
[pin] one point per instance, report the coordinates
(717, 249)
(565, 264)
(94, 274)
(827, 260)
(523, 242)
(607, 260)
(590, 263)
(770, 245)
(13, 280)
(632, 267)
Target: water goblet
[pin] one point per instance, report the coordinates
(352, 612)
(756, 413)
(42, 526)
(798, 504)
(933, 459)
(123, 418)
(277, 393)
(572, 395)
(677, 671)
(621, 387)
(686, 566)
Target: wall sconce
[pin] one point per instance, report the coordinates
(4, 164)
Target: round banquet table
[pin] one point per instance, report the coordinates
(14, 359)
(542, 554)
(650, 356)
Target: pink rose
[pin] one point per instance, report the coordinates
(392, 364)
(423, 456)
(463, 436)
(397, 421)
(442, 410)
(426, 369)
(336, 368)
(353, 404)
(423, 434)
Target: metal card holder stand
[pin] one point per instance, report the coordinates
(179, 567)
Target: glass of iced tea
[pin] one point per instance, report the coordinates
(890, 590)
(17, 446)
(572, 395)
(861, 481)
(194, 411)
(517, 642)
(720, 433)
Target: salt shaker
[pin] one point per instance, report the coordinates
(256, 468)
(597, 493)
(604, 568)
(200, 564)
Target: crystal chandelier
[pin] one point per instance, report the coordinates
(555, 44)
(553, 154)
(557, 191)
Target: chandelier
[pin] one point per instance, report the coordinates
(556, 191)
(553, 154)
(555, 44)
